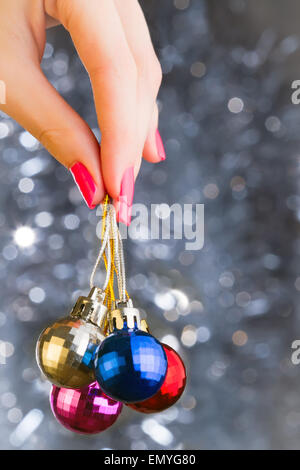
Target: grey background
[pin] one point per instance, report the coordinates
(242, 287)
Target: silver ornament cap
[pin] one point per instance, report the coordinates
(125, 313)
(65, 350)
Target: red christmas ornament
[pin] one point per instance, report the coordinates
(171, 389)
(86, 411)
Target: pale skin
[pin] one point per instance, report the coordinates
(113, 42)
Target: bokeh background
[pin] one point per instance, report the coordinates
(231, 309)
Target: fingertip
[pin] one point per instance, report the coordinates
(92, 193)
(154, 151)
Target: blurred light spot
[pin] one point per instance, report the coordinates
(181, 4)
(14, 415)
(297, 283)
(71, 222)
(186, 259)
(258, 306)
(237, 183)
(188, 402)
(271, 261)
(33, 166)
(28, 141)
(159, 176)
(44, 219)
(169, 415)
(242, 299)
(2, 319)
(289, 44)
(60, 64)
(211, 191)
(226, 279)
(160, 251)
(251, 59)
(189, 336)
(171, 315)
(182, 301)
(26, 185)
(48, 52)
(196, 306)
(198, 69)
(63, 271)
(273, 124)
(56, 242)
(235, 105)
(25, 314)
(10, 252)
(134, 431)
(37, 295)
(29, 374)
(172, 341)
(217, 369)
(165, 301)
(4, 130)
(26, 427)
(24, 236)
(139, 281)
(162, 211)
(8, 400)
(239, 338)
(6, 349)
(157, 432)
(203, 334)
(138, 445)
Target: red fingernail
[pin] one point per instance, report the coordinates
(126, 197)
(160, 146)
(85, 183)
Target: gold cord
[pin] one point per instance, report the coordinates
(109, 291)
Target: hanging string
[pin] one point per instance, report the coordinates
(119, 264)
(111, 251)
(105, 239)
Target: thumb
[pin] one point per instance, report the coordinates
(38, 107)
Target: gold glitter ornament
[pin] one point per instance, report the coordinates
(65, 350)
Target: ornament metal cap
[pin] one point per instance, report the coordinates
(91, 308)
(124, 314)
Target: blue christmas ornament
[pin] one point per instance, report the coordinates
(131, 365)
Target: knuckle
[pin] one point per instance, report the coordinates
(51, 137)
(157, 73)
(115, 68)
(151, 73)
(65, 10)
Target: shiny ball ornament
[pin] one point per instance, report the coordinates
(85, 411)
(65, 350)
(130, 365)
(171, 389)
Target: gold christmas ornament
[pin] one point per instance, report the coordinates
(65, 350)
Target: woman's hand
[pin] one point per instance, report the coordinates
(113, 42)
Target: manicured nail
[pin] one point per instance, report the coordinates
(126, 197)
(160, 146)
(85, 183)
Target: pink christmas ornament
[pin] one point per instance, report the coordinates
(87, 410)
